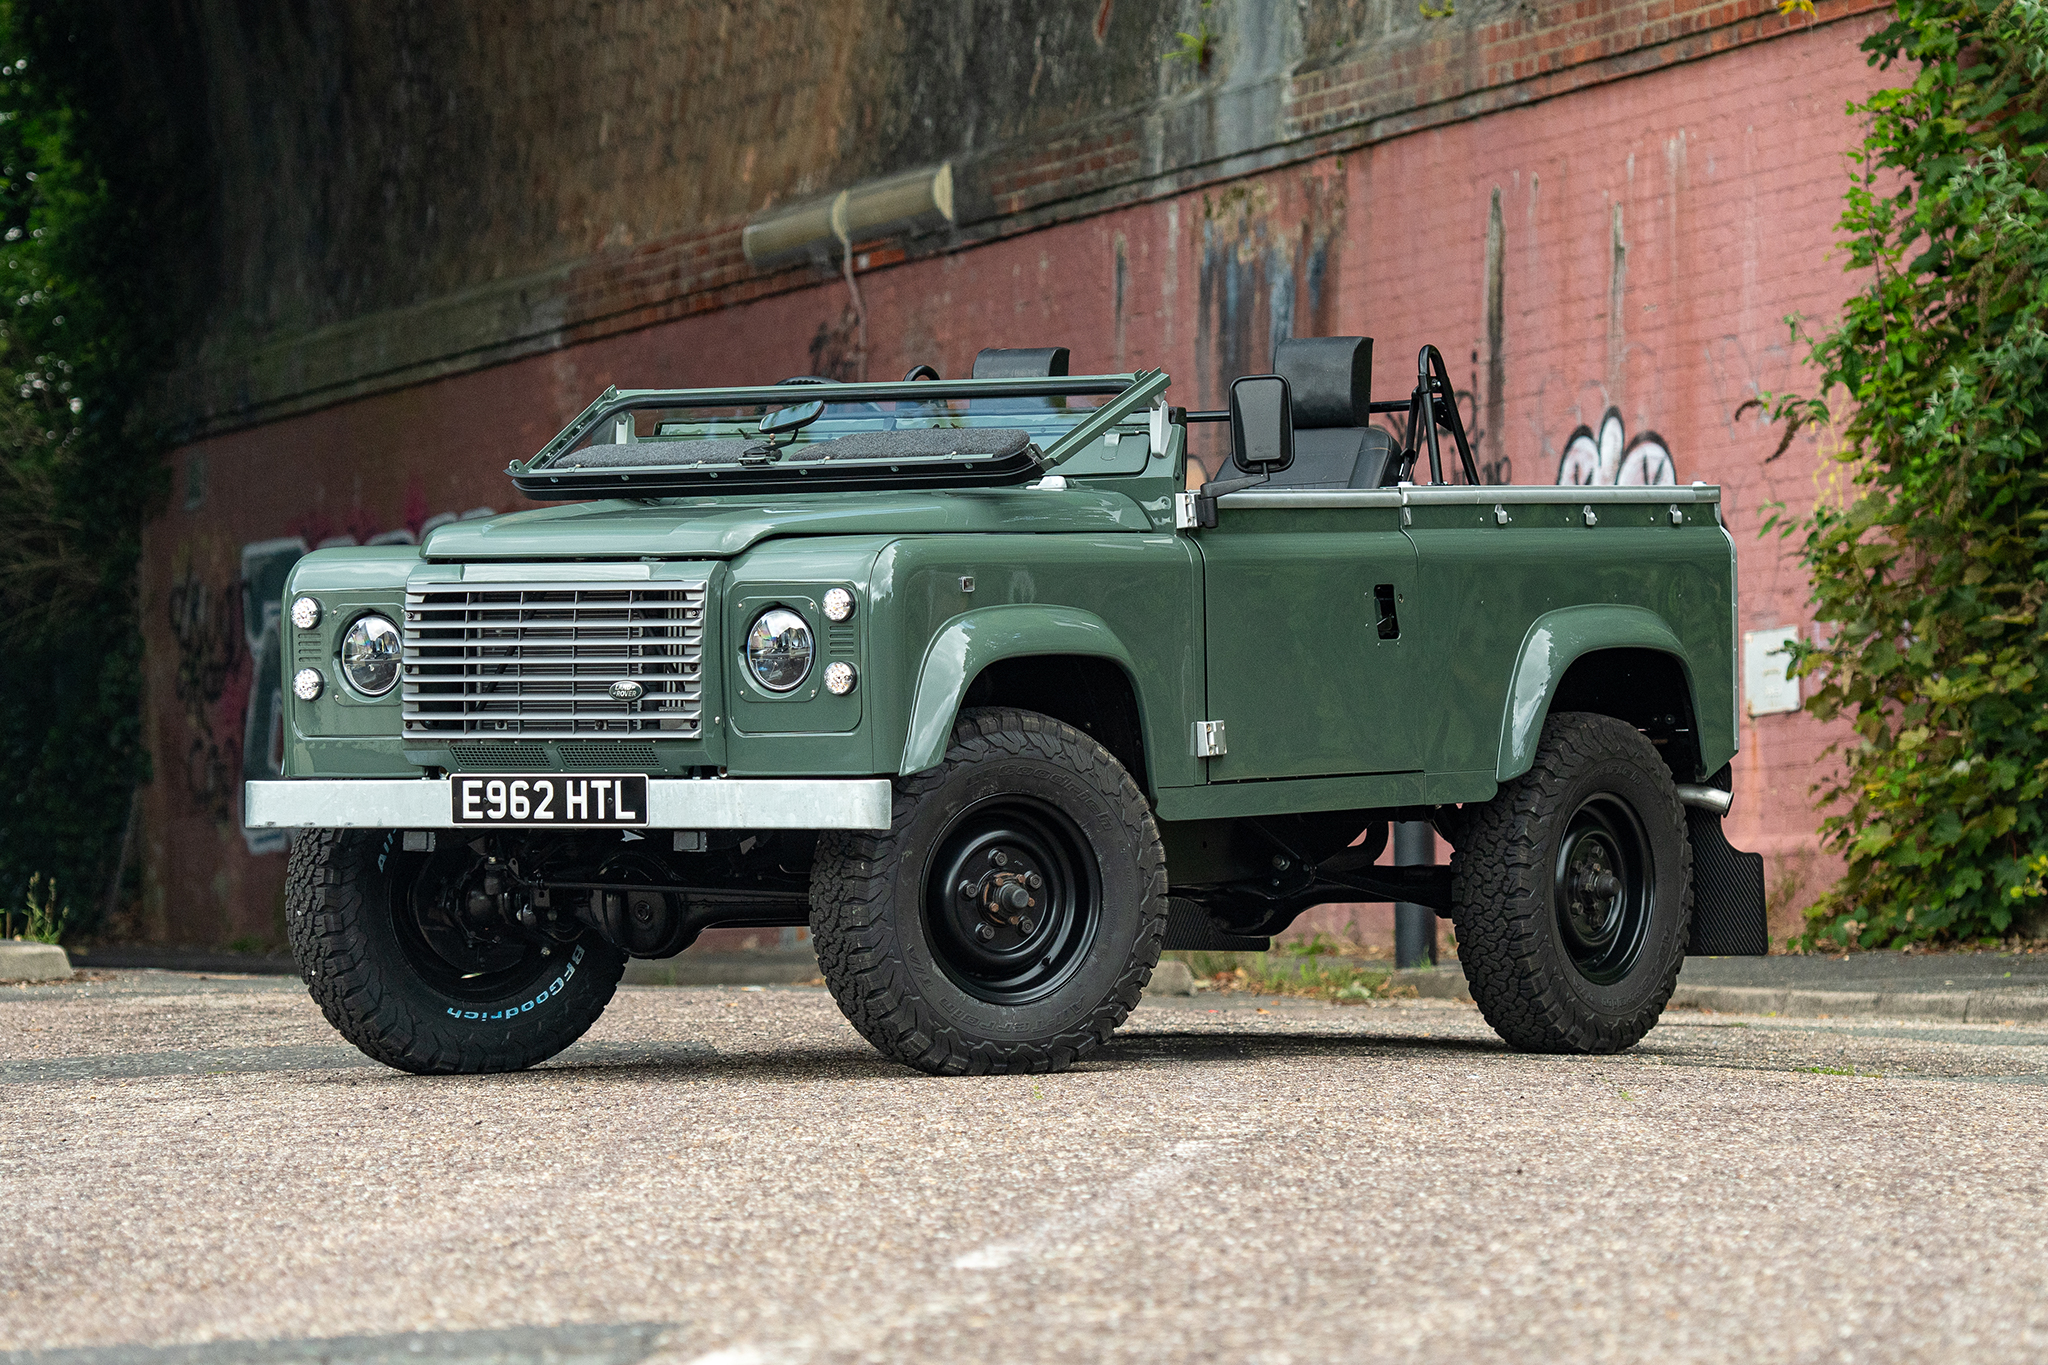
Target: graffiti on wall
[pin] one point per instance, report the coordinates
(209, 683)
(229, 642)
(1609, 456)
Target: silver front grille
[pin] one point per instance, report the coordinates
(538, 660)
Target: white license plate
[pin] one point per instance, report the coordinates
(553, 800)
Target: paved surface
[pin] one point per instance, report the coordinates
(197, 1170)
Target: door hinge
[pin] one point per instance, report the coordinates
(1208, 739)
(1184, 512)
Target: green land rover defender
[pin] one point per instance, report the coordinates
(962, 676)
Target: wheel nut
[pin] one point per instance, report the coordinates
(1034, 881)
(967, 890)
(1027, 924)
(999, 858)
(984, 932)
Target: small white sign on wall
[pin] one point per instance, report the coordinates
(1764, 684)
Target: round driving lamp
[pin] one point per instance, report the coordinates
(839, 679)
(307, 684)
(779, 649)
(370, 651)
(838, 604)
(305, 613)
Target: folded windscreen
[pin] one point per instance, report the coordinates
(819, 436)
(943, 443)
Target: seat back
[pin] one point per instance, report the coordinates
(1334, 445)
(1037, 362)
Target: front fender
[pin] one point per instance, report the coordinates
(971, 642)
(1554, 643)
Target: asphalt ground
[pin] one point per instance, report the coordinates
(197, 1169)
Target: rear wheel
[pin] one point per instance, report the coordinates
(1011, 914)
(381, 943)
(1572, 891)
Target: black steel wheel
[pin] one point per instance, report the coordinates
(1603, 889)
(1012, 898)
(1010, 915)
(1572, 891)
(376, 936)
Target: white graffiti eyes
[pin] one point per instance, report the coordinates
(1611, 459)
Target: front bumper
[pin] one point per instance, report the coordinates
(672, 803)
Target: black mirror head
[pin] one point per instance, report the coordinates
(789, 421)
(1262, 423)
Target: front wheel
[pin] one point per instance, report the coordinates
(1011, 914)
(1572, 891)
(395, 969)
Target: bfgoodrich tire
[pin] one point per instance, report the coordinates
(1012, 912)
(1572, 892)
(380, 982)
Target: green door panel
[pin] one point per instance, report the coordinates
(1297, 669)
(1555, 641)
(967, 644)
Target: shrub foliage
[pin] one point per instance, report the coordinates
(1928, 555)
(87, 205)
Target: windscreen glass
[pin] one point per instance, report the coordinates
(807, 430)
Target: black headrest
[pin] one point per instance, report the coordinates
(1044, 362)
(1331, 378)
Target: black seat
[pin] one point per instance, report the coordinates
(1334, 444)
(1037, 362)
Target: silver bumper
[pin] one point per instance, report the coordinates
(672, 803)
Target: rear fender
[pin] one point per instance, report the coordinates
(970, 643)
(1557, 640)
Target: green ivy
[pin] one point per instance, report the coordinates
(88, 198)
(1929, 548)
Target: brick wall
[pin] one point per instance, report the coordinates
(1652, 228)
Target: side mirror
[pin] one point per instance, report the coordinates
(1262, 423)
(1261, 439)
(789, 421)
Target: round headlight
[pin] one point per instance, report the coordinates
(307, 684)
(369, 655)
(305, 613)
(838, 604)
(779, 649)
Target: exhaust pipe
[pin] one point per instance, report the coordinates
(1704, 798)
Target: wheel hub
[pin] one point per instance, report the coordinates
(1012, 899)
(1603, 888)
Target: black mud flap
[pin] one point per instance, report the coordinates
(1189, 929)
(1727, 893)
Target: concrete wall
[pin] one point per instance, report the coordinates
(1600, 212)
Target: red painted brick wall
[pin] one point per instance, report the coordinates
(1720, 179)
